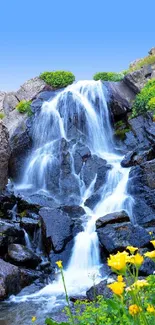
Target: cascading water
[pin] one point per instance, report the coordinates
(92, 126)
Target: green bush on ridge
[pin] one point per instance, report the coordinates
(145, 100)
(24, 107)
(2, 115)
(108, 76)
(58, 79)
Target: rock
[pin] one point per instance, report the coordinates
(115, 217)
(147, 268)
(136, 80)
(133, 158)
(13, 120)
(2, 95)
(4, 155)
(152, 51)
(99, 289)
(20, 144)
(116, 237)
(141, 186)
(29, 224)
(9, 233)
(31, 88)
(59, 230)
(10, 102)
(121, 98)
(9, 279)
(27, 276)
(21, 255)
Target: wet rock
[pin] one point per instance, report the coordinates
(147, 268)
(141, 186)
(82, 153)
(9, 279)
(9, 233)
(4, 155)
(118, 236)
(127, 160)
(30, 224)
(121, 98)
(27, 276)
(92, 201)
(21, 255)
(133, 158)
(99, 289)
(63, 256)
(136, 80)
(112, 218)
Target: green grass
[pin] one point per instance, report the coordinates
(145, 100)
(24, 107)
(108, 76)
(2, 115)
(150, 59)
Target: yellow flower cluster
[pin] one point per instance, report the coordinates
(117, 287)
(150, 254)
(137, 285)
(151, 309)
(33, 319)
(134, 309)
(118, 261)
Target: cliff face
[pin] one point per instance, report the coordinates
(4, 155)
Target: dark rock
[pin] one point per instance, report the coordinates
(147, 268)
(112, 218)
(99, 289)
(4, 155)
(29, 224)
(121, 98)
(9, 279)
(27, 276)
(74, 211)
(21, 255)
(133, 158)
(118, 236)
(9, 233)
(136, 80)
(63, 256)
(127, 160)
(82, 153)
(92, 201)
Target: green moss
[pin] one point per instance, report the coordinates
(121, 133)
(145, 100)
(24, 107)
(108, 76)
(58, 79)
(2, 115)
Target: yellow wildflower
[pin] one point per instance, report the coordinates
(134, 309)
(150, 254)
(59, 263)
(153, 243)
(117, 287)
(150, 232)
(118, 261)
(136, 259)
(132, 249)
(150, 309)
(33, 318)
(120, 278)
(140, 283)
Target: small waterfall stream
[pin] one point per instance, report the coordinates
(94, 128)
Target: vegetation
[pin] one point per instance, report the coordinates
(145, 100)
(150, 59)
(24, 107)
(2, 115)
(108, 76)
(58, 79)
(133, 301)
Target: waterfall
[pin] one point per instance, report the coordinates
(27, 240)
(86, 104)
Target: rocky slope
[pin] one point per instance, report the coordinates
(41, 215)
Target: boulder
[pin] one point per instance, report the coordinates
(13, 120)
(116, 237)
(9, 233)
(10, 102)
(99, 289)
(136, 80)
(30, 224)
(115, 217)
(31, 88)
(21, 255)
(147, 268)
(141, 186)
(121, 98)
(9, 279)
(4, 155)
(133, 158)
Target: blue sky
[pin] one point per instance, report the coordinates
(81, 36)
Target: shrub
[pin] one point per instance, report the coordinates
(58, 79)
(108, 76)
(2, 115)
(24, 107)
(145, 100)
